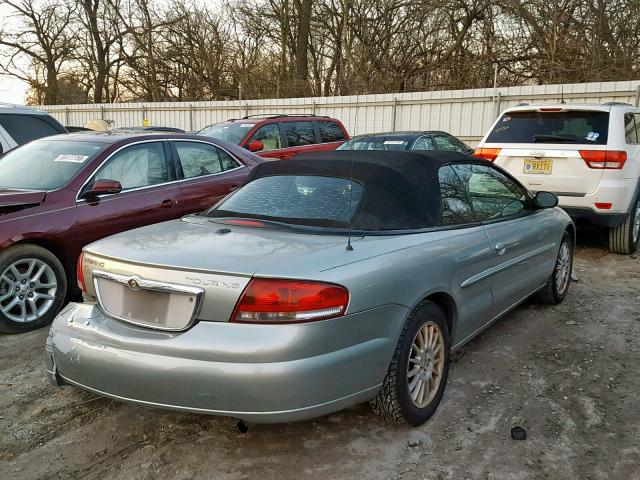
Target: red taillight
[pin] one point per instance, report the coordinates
(551, 109)
(80, 274)
(487, 153)
(270, 300)
(603, 205)
(604, 159)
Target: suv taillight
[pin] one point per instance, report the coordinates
(270, 300)
(80, 274)
(487, 153)
(604, 159)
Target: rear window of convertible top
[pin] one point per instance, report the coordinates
(298, 200)
(573, 127)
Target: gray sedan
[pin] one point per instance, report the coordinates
(321, 283)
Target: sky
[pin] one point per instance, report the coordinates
(12, 90)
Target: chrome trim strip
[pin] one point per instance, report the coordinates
(145, 284)
(569, 194)
(84, 200)
(503, 266)
(563, 194)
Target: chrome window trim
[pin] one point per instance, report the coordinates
(84, 200)
(145, 284)
(238, 162)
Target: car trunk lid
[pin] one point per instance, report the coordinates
(194, 268)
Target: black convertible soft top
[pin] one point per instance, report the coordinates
(400, 189)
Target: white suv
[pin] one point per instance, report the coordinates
(588, 155)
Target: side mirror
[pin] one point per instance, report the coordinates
(255, 146)
(546, 200)
(102, 187)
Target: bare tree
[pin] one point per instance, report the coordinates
(99, 31)
(42, 37)
(186, 50)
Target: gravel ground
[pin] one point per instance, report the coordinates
(568, 374)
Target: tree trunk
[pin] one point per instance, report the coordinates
(51, 92)
(302, 41)
(91, 8)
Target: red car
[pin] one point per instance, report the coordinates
(280, 136)
(60, 193)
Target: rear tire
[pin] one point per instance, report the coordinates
(33, 287)
(624, 238)
(558, 282)
(415, 381)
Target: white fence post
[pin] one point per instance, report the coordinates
(394, 111)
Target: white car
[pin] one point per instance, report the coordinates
(588, 155)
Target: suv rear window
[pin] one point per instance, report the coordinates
(24, 128)
(299, 200)
(330, 132)
(572, 127)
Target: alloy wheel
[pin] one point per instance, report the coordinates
(563, 268)
(27, 290)
(636, 223)
(425, 365)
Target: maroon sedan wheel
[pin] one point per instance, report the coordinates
(33, 286)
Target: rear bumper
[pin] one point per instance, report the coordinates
(595, 218)
(620, 193)
(257, 373)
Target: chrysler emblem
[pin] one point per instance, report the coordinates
(133, 284)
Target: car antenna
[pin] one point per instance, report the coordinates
(355, 122)
(562, 94)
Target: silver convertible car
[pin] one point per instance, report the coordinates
(322, 282)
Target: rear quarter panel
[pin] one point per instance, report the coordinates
(404, 270)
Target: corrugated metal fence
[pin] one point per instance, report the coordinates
(464, 113)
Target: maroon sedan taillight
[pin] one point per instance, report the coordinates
(270, 300)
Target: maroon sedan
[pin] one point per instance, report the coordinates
(60, 193)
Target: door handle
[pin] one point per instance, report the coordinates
(167, 204)
(501, 248)
(233, 187)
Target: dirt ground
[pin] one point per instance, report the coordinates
(569, 374)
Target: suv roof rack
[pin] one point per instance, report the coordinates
(277, 115)
(610, 104)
